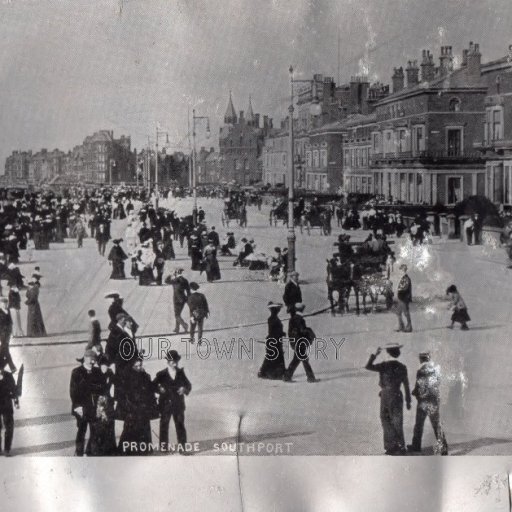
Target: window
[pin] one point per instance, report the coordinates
(346, 158)
(388, 142)
(401, 141)
(352, 158)
(365, 157)
(323, 158)
(316, 160)
(454, 189)
(454, 141)
(375, 143)
(454, 105)
(284, 159)
(246, 164)
(358, 157)
(419, 139)
(308, 158)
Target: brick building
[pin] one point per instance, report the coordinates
(241, 141)
(496, 143)
(17, 166)
(275, 157)
(422, 146)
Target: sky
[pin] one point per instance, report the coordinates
(71, 67)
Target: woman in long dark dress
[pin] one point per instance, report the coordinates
(168, 248)
(35, 323)
(273, 366)
(211, 263)
(138, 408)
(117, 257)
(196, 254)
(103, 441)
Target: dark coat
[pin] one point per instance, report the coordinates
(5, 326)
(84, 388)
(197, 302)
(35, 323)
(181, 289)
(14, 300)
(404, 290)
(292, 294)
(167, 388)
(7, 393)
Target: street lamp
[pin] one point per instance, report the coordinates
(112, 163)
(194, 177)
(315, 109)
(158, 133)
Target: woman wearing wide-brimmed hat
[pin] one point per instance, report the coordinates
(273, 366)
(116, 257)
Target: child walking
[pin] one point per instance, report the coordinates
(458, 306)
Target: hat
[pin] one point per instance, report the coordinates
(113, 295)
(392, 346)
(117, 241)
(194, 286)
(121, 316)
(103, 360)
(274, 305)
(4, 299)
(88, 353)
(299, 306)
(11, 266)
(8, 226)
(172, 355)
(403, 266)
(37, 275)
(425, 355)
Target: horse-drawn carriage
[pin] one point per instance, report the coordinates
(234, 210)
(363, 273)
(305, 216)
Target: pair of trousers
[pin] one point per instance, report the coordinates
(196, 323)
(178, 308)
(403, 309)
(301, 355)
(431, 410)
(392, 420)
(7, 422)
(102, 245)
(81, 425)
(5, 354)
(179, 423)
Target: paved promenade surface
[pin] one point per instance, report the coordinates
(340, 414)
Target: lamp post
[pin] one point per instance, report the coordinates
(194, 169)
(314, 110)
(112, 163)
(158, 133)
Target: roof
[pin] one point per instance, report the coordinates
(230, 111)
(456, 79)
(250, 113)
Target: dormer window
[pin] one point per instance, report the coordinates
(454, 105)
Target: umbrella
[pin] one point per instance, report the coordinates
(19, 382)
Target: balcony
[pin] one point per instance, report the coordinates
(496, 144)
(426, 157)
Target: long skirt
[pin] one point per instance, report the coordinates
(117, 269)
(461, 316)
(212, 269)
(135, 430)
(273, 366)
(35, 323)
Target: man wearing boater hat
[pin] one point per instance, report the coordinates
(172, 385)
(392, 375)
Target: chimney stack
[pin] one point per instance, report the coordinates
(241, 117)
(412, 74)
(464, 62)
(445, 60)
(474, 60)
(427, 66)
(398, 79)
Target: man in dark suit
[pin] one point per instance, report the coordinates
(117, 307)
(181, 291)
(8, 396)
(292, 294)
(428, 395)
(404, 296)
(199, 310)
(392, 376)
(5, 334)
(172, 385)
(213, 237)
(85, 386)
(301, 338)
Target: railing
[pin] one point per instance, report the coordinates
(426, 156)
